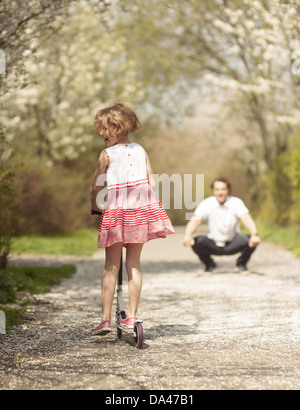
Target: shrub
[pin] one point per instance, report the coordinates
(6, 193)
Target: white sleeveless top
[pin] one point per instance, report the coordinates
(127, 165)
(132, 212)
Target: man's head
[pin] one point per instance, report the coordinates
(221, 188)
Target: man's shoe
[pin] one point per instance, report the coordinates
(243, 269)
(210, 268)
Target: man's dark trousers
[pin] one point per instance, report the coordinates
(204, 247)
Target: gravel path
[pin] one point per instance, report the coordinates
(225, 331)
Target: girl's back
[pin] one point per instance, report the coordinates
(127, 165)
(133, 213)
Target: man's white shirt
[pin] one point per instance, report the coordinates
(223, 220)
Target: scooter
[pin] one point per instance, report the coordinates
(137, 330)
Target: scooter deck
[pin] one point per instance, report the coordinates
(125, 329)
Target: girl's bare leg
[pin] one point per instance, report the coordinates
(111, 269)
(133, 254)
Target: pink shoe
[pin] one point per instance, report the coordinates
(103, 329)
(128, 323)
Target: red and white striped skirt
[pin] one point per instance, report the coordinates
(133, 214)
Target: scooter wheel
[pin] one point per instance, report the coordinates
(118, 321)
(138, 335)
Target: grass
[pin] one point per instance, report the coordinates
(286, 236)
(39, 279)
(21, 280)
(84, 242)
(13, 315)
(81, 243)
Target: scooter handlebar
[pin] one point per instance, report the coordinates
(95, 212)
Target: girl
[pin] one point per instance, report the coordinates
(132, 214)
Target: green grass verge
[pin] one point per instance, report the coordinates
(84, 242)
(81, 243)
(39, 279)
(285, 236)
(13, 316)
(20, 280)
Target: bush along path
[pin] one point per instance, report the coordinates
(18, 284)
(225, 331)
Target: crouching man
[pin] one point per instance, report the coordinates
(222, 212)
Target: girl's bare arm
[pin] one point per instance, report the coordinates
(97, 185)
(151, 178)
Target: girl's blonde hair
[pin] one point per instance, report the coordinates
(118, 119)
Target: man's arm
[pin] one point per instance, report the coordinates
(190, 228)
(251, 227)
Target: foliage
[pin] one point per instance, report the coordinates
(88, 65)
(6, 198)
(13, 315)
(26, 24)
(39, 279)
(243, 53)
(30, 279)
(293, 170)
(17, 280)
(160, 57)
(49, 120)
(284, 236)
(51, 199)
(7, 287)
(280, 198)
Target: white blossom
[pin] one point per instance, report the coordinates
(227, 28)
